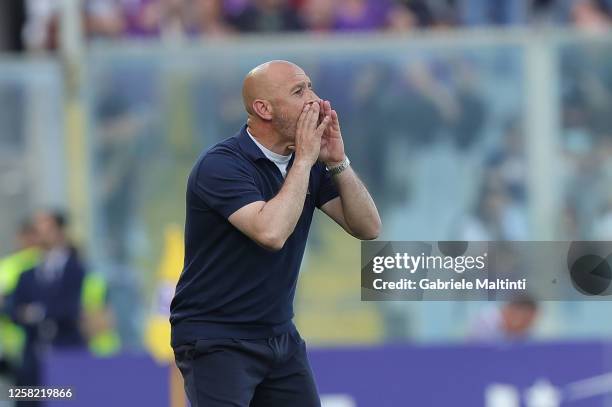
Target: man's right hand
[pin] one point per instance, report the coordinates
(308, 134)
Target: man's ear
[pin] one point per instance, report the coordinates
(263, 109)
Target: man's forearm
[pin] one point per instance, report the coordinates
(280, 214)
(359, 210)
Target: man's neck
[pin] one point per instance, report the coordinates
(270, 140)
(59, 246)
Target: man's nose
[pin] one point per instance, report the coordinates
(315, 98)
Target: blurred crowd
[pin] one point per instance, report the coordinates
(34, 24)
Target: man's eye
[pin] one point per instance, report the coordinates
(299, 92)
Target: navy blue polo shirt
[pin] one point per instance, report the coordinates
(231, 287)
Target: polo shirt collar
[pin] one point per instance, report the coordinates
(251, 149)
(248, 146)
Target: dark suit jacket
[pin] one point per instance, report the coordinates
(61, 300)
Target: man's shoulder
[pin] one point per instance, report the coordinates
(29, 273)
(27, 277)
(228, 149)
(224, 156)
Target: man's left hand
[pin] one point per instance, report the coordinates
(332, 146)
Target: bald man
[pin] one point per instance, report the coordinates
(250, 202)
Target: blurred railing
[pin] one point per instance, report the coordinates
(482, 135)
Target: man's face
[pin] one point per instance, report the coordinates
(294, 90)
(47, 229)
(518, 319)
(27, 238)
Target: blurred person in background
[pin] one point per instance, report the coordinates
(586, 182)
(512, 321)
(143, 18)
(209, 19)
(318, 15)
(175, 20)
(601, 223)
(167, 19)
(127, 135)
(549, 12)
(268, 16)
(103, 19)
(406, 16)
(41, 32)
(465, 127)
(495, 216)
(432, 101)
(369, 89)
(602, 226)
(591, 15)
(434, 97)
(587, 93)
(25, 258)
(234, 7)
(97, 317)
(587, 100)
(506, 165)
(136, 19)
(188, 19)
(12, 22)
(422, 105)
(487, 13)
(47, 299)
(361, 15)
(124, 137)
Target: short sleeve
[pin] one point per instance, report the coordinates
(224, 183)
(327, 187)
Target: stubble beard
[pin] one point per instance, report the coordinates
(285, 126)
